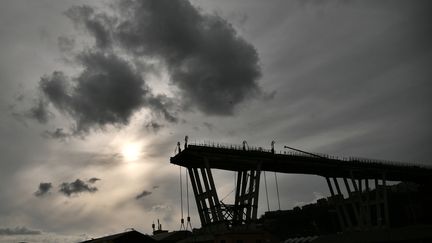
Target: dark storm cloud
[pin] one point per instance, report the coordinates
(108, 91)
(19, 231)
(143, 194)
(93, 180)
(44, 188)
(214, 68)
(76, 187)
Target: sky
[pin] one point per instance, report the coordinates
(96, 94)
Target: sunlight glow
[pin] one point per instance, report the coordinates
(131, 151)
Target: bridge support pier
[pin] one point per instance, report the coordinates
(363, 208)
(246, 196)
(245, 208)
(209, 208)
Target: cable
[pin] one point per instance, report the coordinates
(181, 200)
(227, 195)
(277, 190)
(301, 151)
(231, 190)
(188, 224)
(187, 192)
(265, 183)
(181, 193)
(235, 186)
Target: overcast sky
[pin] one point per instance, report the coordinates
(95, 95)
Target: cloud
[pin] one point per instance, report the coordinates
(93, 180)
(107, 92)
(143, 194)
(44, 189)
(76, 187)
(212, 65)
(18, 231)
(214, 68)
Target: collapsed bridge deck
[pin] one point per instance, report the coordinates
(235, 159)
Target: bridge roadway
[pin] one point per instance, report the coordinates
(237, 159)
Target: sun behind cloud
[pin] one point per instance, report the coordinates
(131, 151)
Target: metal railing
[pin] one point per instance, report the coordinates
(377, 162)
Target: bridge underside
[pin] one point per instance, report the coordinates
(363, 208)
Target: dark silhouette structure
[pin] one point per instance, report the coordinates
(358, 187)
(128, 236)
(363, 207)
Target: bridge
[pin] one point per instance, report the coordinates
(364, 208)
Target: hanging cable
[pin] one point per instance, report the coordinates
(235, 185)
(227, 195)
(277, 190)
(188, 224)
(187, 191)
(181, 201)
(265, 184)
(308, 153)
